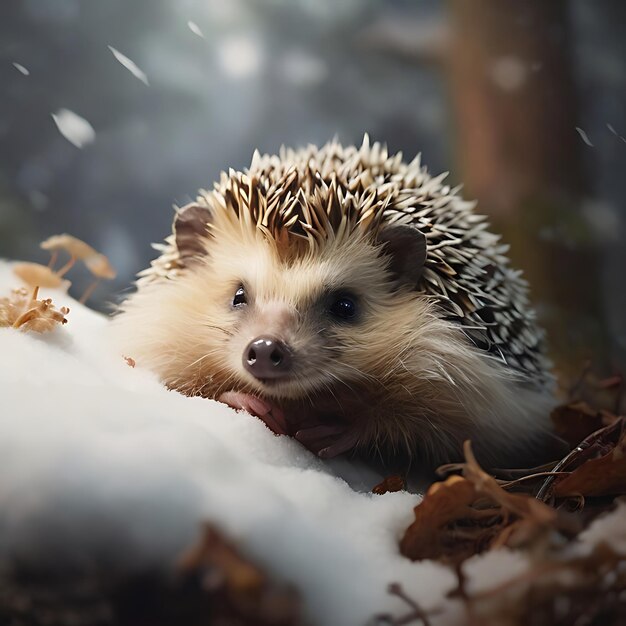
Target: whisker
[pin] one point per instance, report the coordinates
(226, 332)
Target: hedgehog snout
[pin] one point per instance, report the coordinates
(267, 358)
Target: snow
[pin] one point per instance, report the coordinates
(611, 130)
(240, 56)
(130, 65)
(584, 136)
(195, 29)
(21, 69)
(97, 458)
(611, 527)
(76, 129)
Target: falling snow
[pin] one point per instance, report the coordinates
(240, 56)
(130, 65)
(21, 69)
(583, 136)
(614, 132)
(76, 129)
(195, 29)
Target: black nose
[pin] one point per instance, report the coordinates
(267, 358)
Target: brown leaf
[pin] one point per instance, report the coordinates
(587, 589)
(518, 504)
(602, 476)
(577, 420)
(247, 593)
(432, 534)
(25, 312)
(462, 516)
(390, 484)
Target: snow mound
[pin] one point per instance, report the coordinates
(99, 461)
(100, 464)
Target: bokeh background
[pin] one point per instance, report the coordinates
(521, 100)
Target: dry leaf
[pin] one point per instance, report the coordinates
(213, 550)
(589, 589)
(390, 484)
(248, 592)
(518, 504)
(462, 516)
(432, 534)
(577, 420)
(601, 476)
(25, 312)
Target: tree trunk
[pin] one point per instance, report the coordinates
(520, 155)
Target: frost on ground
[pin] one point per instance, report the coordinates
(102, 466)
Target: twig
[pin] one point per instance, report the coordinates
(597, 439)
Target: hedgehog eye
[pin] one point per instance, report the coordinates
(343, 308)
(240, 298)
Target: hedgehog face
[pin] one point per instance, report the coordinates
(275, 325)
(291, 329)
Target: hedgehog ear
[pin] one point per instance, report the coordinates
(191, 231)
(406, 248)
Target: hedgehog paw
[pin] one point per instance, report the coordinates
(272, 416)
(328, 441)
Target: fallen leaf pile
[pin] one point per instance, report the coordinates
(540, 511)
(576, 589)
(466, 515)
(24, 311)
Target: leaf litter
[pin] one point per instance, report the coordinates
(542, 513)
(23, 311)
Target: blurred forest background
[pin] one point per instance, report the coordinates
(523, 101)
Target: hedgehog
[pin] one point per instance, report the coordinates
(348, 299)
